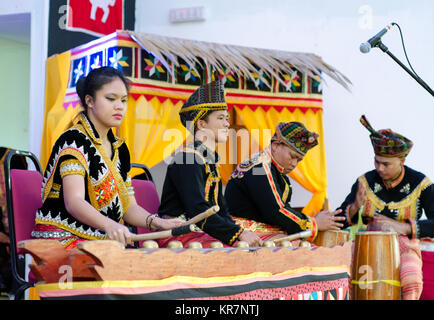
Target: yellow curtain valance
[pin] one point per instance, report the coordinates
(311, 173)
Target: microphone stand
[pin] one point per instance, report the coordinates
(415, 77)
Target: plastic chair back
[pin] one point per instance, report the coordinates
(147, 197)
(23, 194)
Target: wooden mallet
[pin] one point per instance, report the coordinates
(186, 227)
(203, 215)
(303, 234)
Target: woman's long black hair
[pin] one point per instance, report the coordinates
(90, 84)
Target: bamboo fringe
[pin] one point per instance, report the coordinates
(240, 60)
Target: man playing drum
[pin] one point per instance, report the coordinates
(259, 192)
(392, 198)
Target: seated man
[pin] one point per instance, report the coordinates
(259, 189)
(392, 197)
(193, 183)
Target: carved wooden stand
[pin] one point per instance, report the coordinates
(108, 260)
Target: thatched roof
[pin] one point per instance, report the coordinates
(238, 59)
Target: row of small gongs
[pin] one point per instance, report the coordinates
(151, 244)
(324, 238)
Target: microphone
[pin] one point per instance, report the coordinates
(365, 47)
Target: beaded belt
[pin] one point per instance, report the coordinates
(51, 234)
(42, 231)
(66, 238)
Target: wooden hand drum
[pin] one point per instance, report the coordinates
(376, 265)
(331, 238)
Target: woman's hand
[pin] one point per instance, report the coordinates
(118, 232)
(251, 238)
(166, 224)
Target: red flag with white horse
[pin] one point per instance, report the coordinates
(96, 17)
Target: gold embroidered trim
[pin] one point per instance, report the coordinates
(270, 155)
(199, 116)
(211, 177)
(314, 228)
(71, 167)
(53, 195)
(128, 181)
(68, 241)
(83, 122)
(105, 191)
(303, 223)
(235, 237)
(412, 196)
(84, 125)
(372, 202)
(55, 191)
(111, 166)
(67, 151)
(257, 227)
(68, 228)
(285, 193)
(131, 191)
(210, 105)
(406, 207)
(191, 150)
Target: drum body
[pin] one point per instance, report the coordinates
(376, 266)
(331, 238)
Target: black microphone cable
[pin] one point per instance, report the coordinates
(403, 47)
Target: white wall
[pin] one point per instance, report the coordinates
(333, 29)
(38, 10)
(14, 93)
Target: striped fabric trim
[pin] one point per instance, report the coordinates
(205, 106)
(304, 224)
(184, 287)
(236, 235)
(277, 196)
(406, 207)
(71, 167)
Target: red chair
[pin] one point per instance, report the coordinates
(23, 194)
(427, 252)
(145, 175)
(145, 193)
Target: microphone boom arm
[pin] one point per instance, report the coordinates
(415, 77)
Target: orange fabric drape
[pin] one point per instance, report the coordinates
(56, 118)
(152, 130)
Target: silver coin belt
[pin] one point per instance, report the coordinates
(51, 234)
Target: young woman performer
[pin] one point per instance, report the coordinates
(87, 192)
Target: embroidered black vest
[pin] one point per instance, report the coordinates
(107, 181)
